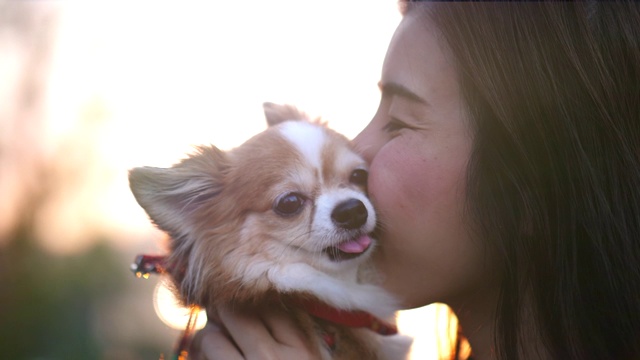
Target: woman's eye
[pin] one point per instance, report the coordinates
(359, 177)
(395, 125)
(289, 204)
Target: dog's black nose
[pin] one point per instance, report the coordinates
(350, 214)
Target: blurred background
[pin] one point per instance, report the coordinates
(90, 89)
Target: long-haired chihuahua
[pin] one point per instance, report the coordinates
(283, 219)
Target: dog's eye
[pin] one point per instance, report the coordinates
(359, 177)
(289, 204)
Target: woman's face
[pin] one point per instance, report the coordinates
(419, 144)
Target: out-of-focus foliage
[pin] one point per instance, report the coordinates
(48, 303)
(53, 307)
(80, 305)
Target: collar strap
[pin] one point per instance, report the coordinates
(147, 264)
(355, 319)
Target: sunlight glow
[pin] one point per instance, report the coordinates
(169, 309)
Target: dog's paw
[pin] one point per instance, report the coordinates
(344, 295)
(375, 300)
(296, 277)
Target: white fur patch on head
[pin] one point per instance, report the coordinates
(347, 159)
(309, 139)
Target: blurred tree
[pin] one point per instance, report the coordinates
(51, 305)
(48, 303)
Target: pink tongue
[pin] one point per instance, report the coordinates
(355, 246)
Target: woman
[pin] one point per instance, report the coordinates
(505, 164)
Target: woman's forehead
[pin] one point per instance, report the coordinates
(417, 62)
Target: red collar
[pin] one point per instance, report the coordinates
(355, 319)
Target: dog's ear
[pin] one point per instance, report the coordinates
(170, 195)
(277, 113)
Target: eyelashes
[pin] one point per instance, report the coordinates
(395, 125)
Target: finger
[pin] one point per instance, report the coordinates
(255, 338)
(283, 328)
(213, 318)
(247, 330)
(211, 343)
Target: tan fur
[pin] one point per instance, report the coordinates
(226, 238)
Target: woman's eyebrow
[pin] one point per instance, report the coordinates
(392, 88)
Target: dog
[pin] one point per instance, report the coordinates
(283, 219)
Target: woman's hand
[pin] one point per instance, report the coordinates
(253, 335)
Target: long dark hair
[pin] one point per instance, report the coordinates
(553, 91)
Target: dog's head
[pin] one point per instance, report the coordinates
(293, 193)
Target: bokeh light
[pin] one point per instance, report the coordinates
(170, 310)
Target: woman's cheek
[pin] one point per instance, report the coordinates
(383, 186)
(400, 255)
(396, 181)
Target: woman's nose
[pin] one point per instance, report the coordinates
(359, 144)
(366, 143)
